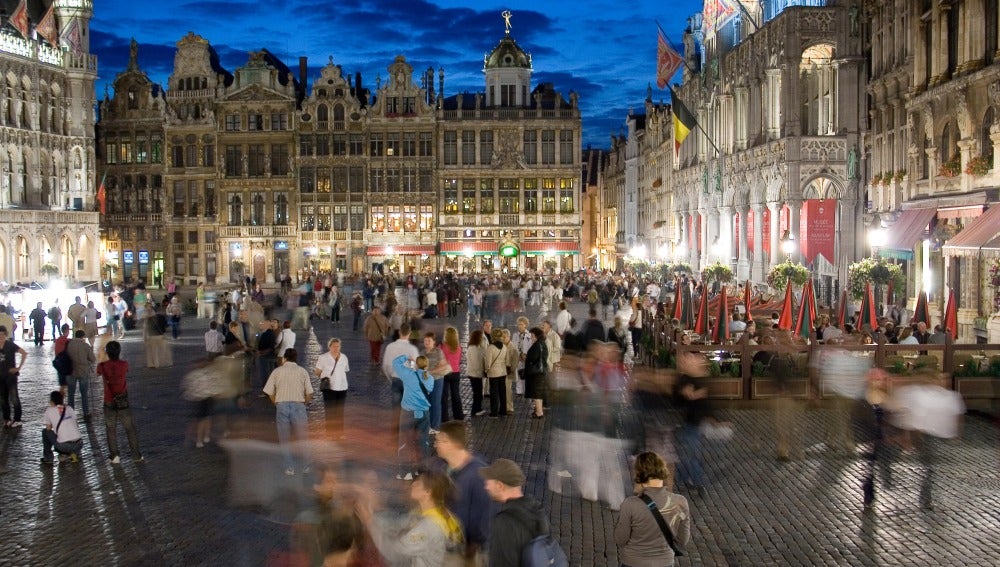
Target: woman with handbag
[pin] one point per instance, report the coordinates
(654, 524)
(116, 405)
(535, 361)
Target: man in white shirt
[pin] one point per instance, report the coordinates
(61, 431)
(393, 350)
(286, 339)
(290, 389)
(332, 368)
(563, 319)
(90, 316)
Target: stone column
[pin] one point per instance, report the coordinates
(725, 235)
(773, 207)
(965, 148)
(995, 137)
(758, 270)
(772, 122)
(743, 265)
(794, 209)
(705, 242)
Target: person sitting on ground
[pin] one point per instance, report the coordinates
(61, 431)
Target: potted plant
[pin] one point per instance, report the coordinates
(779, 276)
(718, 272)
(878, 272)
(952, 167)
(886, 179)
(49, 269)
(877, 179)
(900, 175)
(979, 166)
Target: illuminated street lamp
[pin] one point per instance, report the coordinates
(788, 245)
(876, 236)
(680, 253)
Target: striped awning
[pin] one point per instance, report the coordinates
(404, 250)
(556, 247)
(977, 236)
(475, 248)
(906, 233)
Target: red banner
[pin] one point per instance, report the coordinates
(818, 229)
(765, 227)
(750, 238)
(736, 236)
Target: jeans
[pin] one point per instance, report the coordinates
(291, 416)
(39, 334)
(414, 441)
(55, 329)
(436, 394)
(175, 326)
(49, 442)
(111, 418)
(9, 397)
(451, 396)
(71, 382)
(498, 396)
(689, 438)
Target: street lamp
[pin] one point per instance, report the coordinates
(680, 253)
(876, 236)
(788, 245)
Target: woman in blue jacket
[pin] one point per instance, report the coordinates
(414, 419)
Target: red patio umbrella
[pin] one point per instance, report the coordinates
(720, 333)
(746, 299)
(701, 322)
(678, 300)
(787, 309)
(687, 308)
(807, 311)
(920, 313)
(950, 321)
(866, 315)
(842, 310)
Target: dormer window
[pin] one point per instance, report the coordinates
(322, 116)
(321, 93)
(133, 98)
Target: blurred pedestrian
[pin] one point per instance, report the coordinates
(496, 372)
(414, 423)
(475, 371)
(55, 316)
(117, 408)
(174, 311)
(214, 340)
(90, 319)
(331, 369)
(376, 329)
(535, 364)
(639, 532)
(37, 317)
(471, 504)
(692, 396)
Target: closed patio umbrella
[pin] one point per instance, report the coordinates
(807, 311)
(866, 315)
(701, 321)
(950, 321)
(842, 310)
(720, 333)
(921, 314)
(687, 308)
(787, 308)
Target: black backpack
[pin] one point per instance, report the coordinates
(543, 550)
(63, 363)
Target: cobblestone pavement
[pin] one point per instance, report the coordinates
(178, 508)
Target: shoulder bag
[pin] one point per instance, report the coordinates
(667, 534)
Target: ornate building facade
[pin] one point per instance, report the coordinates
(47, 192)
(932, 175)
(259, 175)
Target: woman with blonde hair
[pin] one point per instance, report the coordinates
(451, 395)
(496, 372)
(475, 371)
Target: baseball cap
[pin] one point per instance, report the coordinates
(505, 471)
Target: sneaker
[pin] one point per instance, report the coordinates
(16, 424)
(115, 460)
(49, 462)
(290, 472)
(140, 460)
(432, 431)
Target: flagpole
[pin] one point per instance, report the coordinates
(746, 13)
(674, 47)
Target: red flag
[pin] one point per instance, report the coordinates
(72, 37)
(19, 19)
(668, 61)
(47, 27)
(102, 195)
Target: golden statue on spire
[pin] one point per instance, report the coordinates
(506, 20)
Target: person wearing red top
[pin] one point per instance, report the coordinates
(61, 343)
(450, 395)
(113, 371)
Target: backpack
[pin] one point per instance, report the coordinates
(63, 363)
(543, 550)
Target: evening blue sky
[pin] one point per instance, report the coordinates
(603, 49)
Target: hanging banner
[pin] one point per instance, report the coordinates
(818, 227)
(750, 226)
(736, 236)
(765, 221)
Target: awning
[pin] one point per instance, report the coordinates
(554, 247)
(406, 250)
(977, 235)
(992, 248)
(460, 248)
(960, 212)
(906, 232)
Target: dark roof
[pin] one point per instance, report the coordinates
(283, 70)
(216, 63)
(640, 121)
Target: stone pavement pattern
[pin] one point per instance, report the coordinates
(174, 509)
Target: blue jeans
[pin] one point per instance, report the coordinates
(414, 441)
(289, 416)
(71, 383)
(49, 442)
(436, 394)
(691, 471)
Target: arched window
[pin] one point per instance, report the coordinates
(338, 117)
(257, 209)
(133, 98)
(985, 143)
(949, 142)
(280, 209)
(22, 259)
(322, 116)
(235, 210)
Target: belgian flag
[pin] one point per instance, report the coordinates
(684, 121)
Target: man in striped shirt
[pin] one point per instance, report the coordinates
(290, 389)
